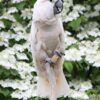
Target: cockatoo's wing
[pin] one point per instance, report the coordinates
(33, 39)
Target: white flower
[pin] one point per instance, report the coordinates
(24, 67)
(97, 7)
(8, 17)
(12, 10)
(67, 33)
(79, 8)
(2, 24)
(91, 25)
(16, 95)
(70, 40)
(5, 36)
(21, 56)
(30, 92)
(15, 84)
(24, 95)
(73, 55)
(27, 45)
(97, 42)
(8, 51)
(88, 47)
(97, 59)
(6, 64)
(17, 27)
(82, 35)
(97, 63)
(72, 16)
(94, 58)
(67, 4)
(81, 85)
(17, 1)
(20, 36)
(7, 58)
(78, 95)
(27, 13)
(18, 47)
(21, 48)
(92, 14)
(85, 86)
(94, 32)
(75, 83)
(90, 58)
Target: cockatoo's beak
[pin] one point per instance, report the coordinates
(58, 6)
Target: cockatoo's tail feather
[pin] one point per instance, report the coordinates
(62, 87)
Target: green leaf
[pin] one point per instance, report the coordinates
(1, 71)
(75, 24)
(68, 66)
(20, 6)
(5, 92)
(7, 23)
(18, 17)
(13, 72)
(1, 8)
(31, 2)
(6, 73)
(76, 45)
(83, 19)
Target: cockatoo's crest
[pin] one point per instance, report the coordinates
(43, 11)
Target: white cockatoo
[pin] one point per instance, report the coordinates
(47, 43)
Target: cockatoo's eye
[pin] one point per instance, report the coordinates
(50, 0)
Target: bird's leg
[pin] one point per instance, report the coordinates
(52, 81)
(54, 58)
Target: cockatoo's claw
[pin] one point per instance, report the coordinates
(62, 53)
(57, 53)
(48, 60)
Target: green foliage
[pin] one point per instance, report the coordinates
(77, 23)
(15, 31)
(68, 66)
(8, 73)
(5, 92)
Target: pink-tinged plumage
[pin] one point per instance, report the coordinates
(47, 35)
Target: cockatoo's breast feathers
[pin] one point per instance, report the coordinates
(43, 11)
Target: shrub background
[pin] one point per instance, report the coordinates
(81, 21)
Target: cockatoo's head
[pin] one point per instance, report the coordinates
(43, 10)
(58, 5)
(47, 10)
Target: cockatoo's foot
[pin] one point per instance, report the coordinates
(53, 96)
(48, 60)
